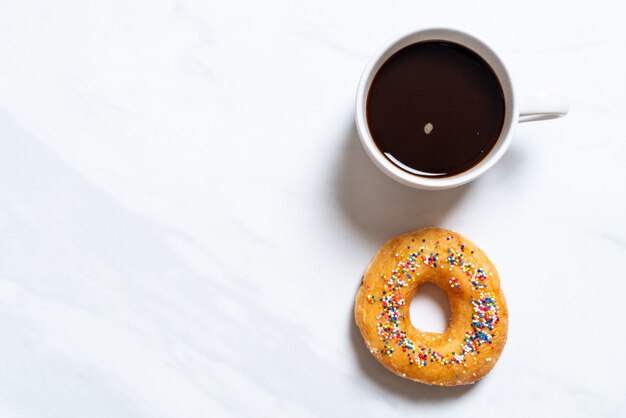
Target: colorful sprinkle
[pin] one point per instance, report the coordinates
(485, 312)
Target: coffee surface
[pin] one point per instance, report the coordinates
(435, 109)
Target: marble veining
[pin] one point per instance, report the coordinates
(186, 212)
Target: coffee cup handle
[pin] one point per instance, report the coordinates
(544, 106)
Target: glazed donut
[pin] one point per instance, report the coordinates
(475, 338)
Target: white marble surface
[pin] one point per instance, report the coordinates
(185, 211)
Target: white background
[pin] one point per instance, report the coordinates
(186, 212)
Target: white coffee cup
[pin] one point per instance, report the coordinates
(530, 108)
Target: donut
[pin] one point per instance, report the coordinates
(475, 338)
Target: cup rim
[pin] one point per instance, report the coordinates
(467, 41)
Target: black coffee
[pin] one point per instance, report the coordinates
(435, 109)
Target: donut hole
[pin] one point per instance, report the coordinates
(430, 309)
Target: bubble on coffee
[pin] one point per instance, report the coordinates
(428, 128)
